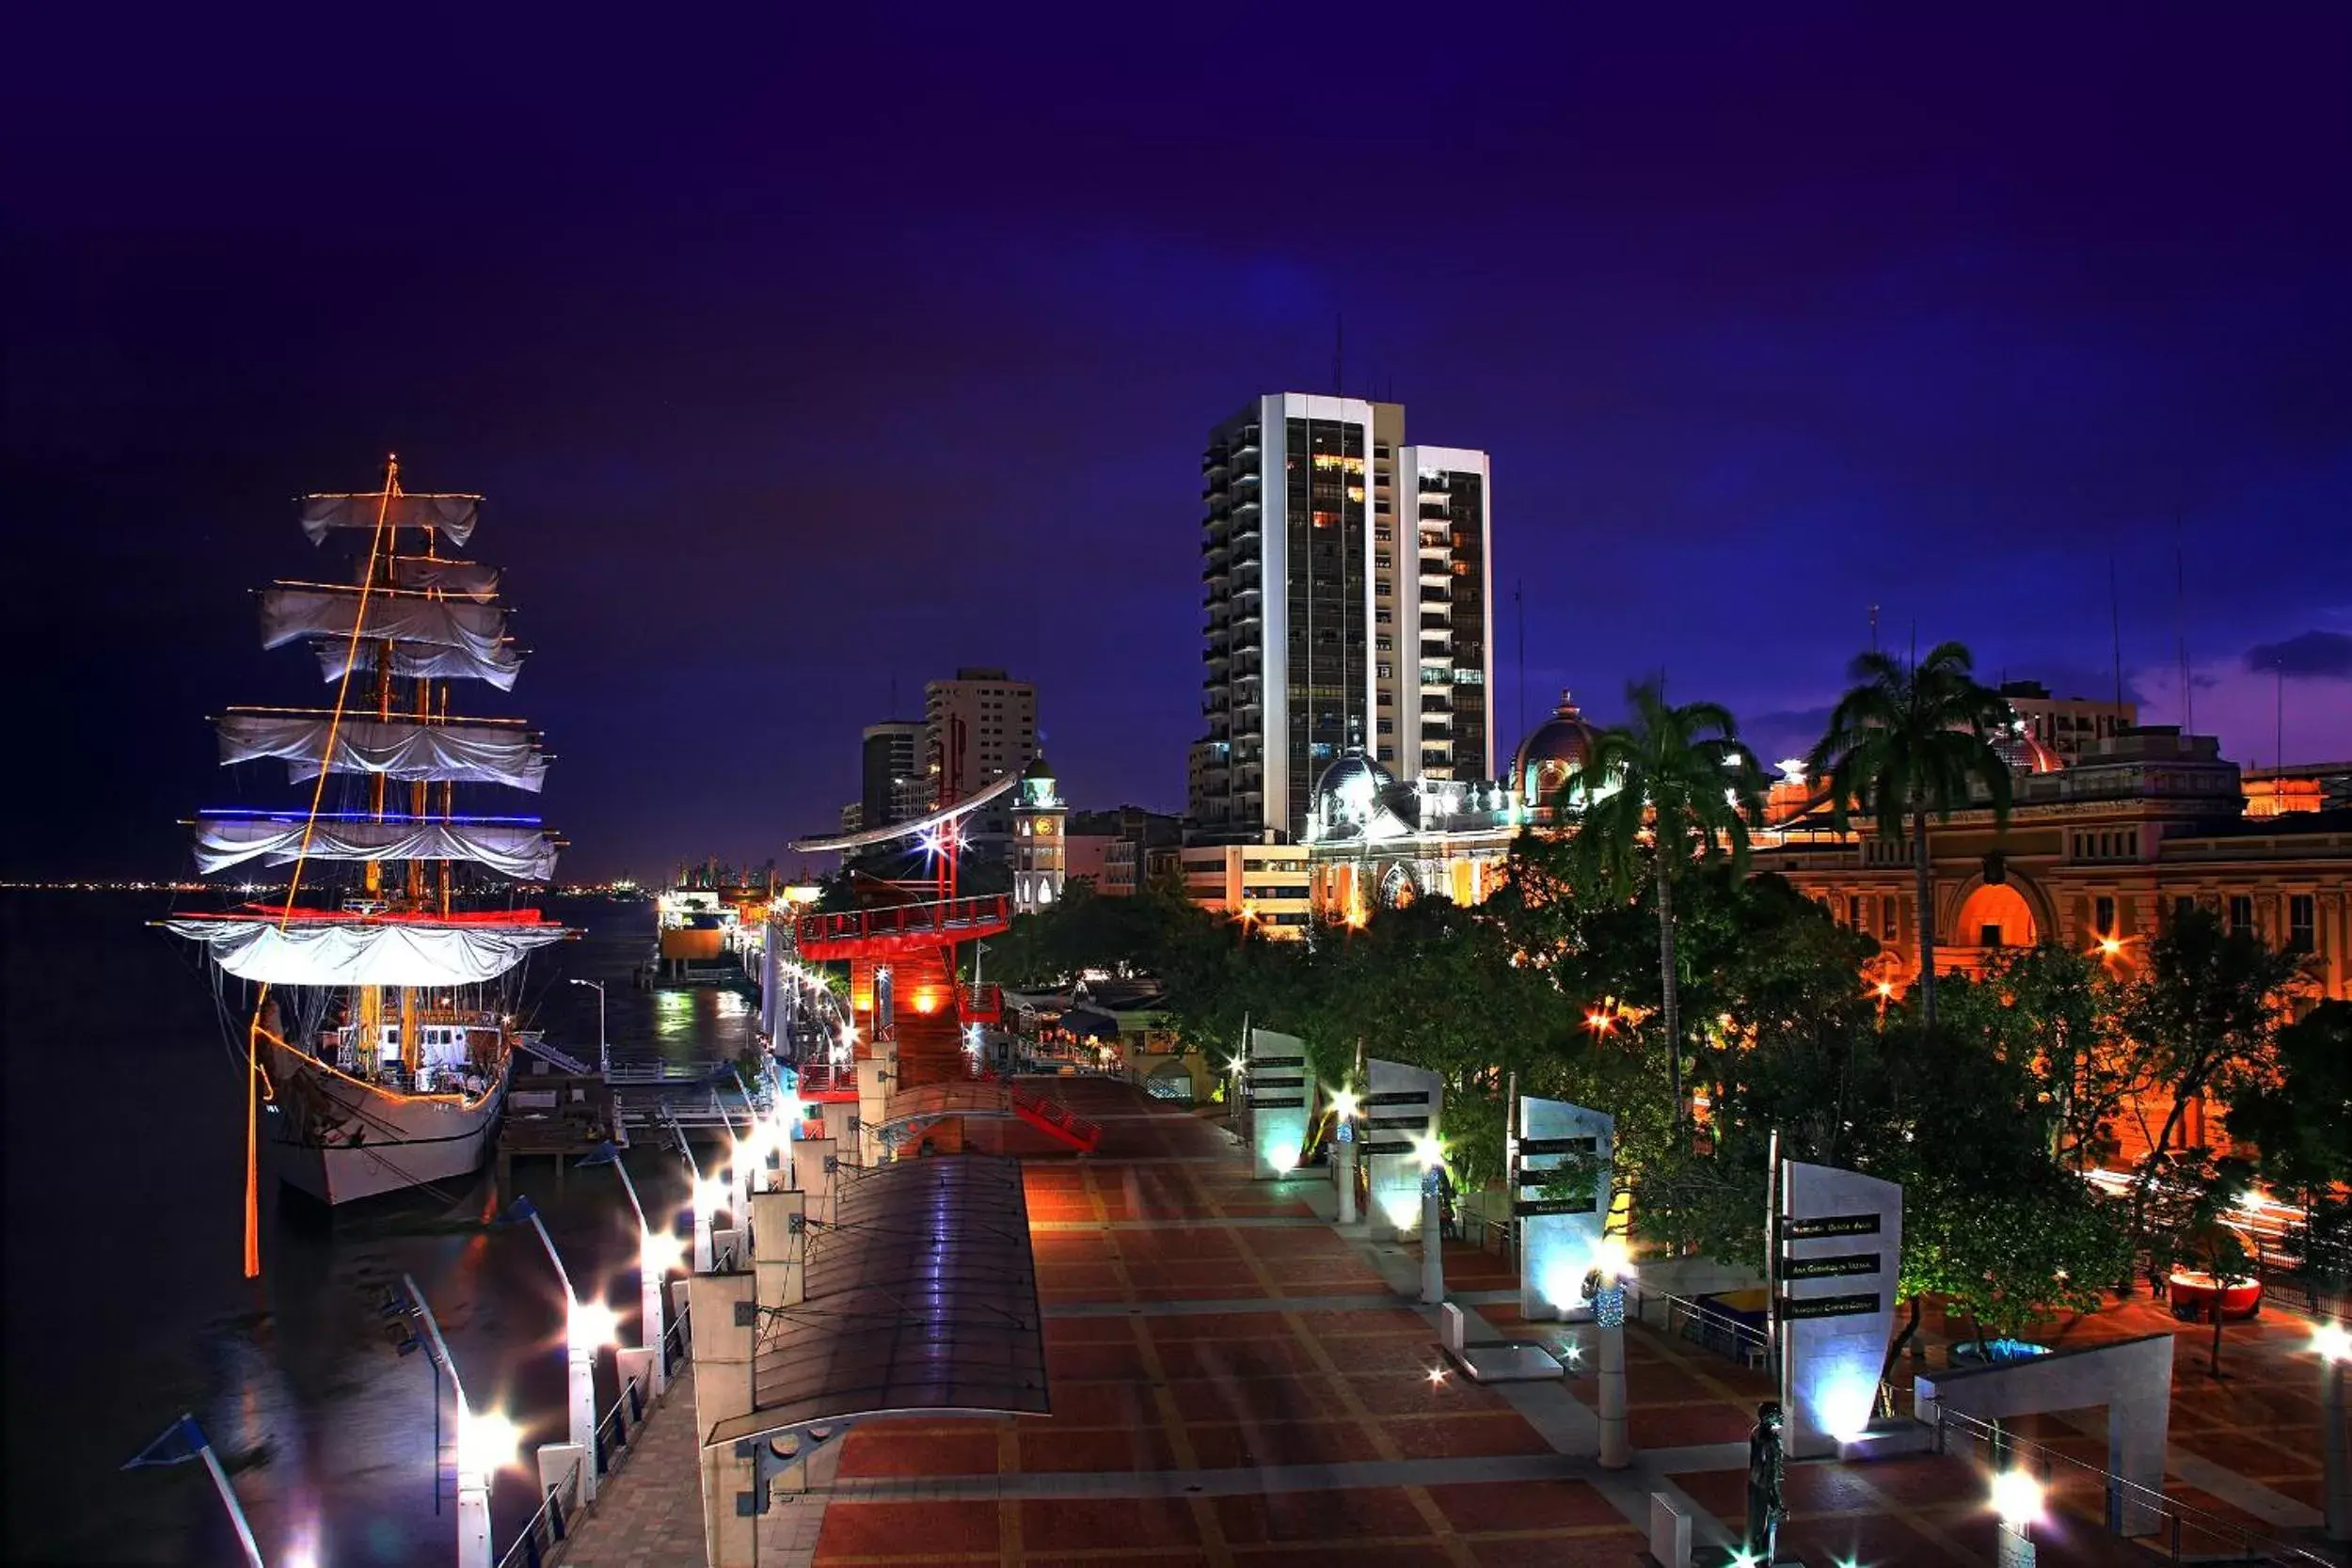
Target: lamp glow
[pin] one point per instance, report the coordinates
(710, 1196)
(2017, 1499)
(486, 1440)
(2330, 1341)
(1284, 1159)
(1437, 1377)
(1430, 1151)
(593, 1324)
(660, 1251)
(1611, 1259)
(1345, 1103)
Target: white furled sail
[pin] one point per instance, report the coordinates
(423, 660)
(465, 579)
(303, 610)
(462, 753)
(452, 514)
(518, 850)
(358, 951)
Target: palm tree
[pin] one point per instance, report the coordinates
(1911, 739)
(1679, 778)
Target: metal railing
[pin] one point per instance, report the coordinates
(2179, 1532)
(559, 1509)
(938, 916)
(552, 1525)
(1709, 1328)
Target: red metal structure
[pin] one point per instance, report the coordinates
(922, 1010)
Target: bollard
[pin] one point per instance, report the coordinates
(1345, 1166)
(1432, 1240)
(1608, 1321)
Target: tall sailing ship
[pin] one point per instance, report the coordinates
(386, 976)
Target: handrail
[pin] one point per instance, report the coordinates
(2119, 1492)
(937, 914)
(551, 1526)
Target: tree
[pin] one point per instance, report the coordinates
(2201, 1015)
(1679, 777)
(2054, 1010)
(2298, 1117)
(1906, 741)
(2190, 1196)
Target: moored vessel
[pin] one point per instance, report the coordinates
(384, 980)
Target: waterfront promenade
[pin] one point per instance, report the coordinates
(1235, 1381)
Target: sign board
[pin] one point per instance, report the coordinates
(1559, 1144)
(1838, 1257)
(1401, 1105)
(1275, 1086)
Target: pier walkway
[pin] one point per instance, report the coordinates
(1235, 1380)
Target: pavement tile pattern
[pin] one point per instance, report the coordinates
(1235, 1381)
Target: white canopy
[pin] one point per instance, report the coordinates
(469, 579)
(516, 849)
(361, 952)
(414, 661)
(302, 610)
(452, 514)
(399, 748)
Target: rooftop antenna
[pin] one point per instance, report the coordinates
(2115, 628)
(2179, 625)
(1518, 599)
(1874, 629)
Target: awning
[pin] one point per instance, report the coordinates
(1087, 1022)
(921, 1299)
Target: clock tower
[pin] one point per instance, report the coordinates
(1039, 858)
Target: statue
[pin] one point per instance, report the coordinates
(1765, 1472)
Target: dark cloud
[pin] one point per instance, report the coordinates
(2313, 655)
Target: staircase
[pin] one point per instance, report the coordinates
(1055, 1119)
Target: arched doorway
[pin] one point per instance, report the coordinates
(1995, 915)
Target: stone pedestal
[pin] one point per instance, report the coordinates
(725, 1331)
(816, 1172)
(779, 1247)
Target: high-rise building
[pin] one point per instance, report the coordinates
(893, 785)
(978, 728)
(1348, 599)
(1442, 696)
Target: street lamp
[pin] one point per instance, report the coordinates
(604, 1055)
(1606, 1284)
(2017, 1499)
(486, 1442)
(1345, 1103)
(1430, 1151)
(657, 1254)
(705, 1198)
(2333, 1346)
(587, 1327)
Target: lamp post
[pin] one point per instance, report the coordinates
(2017, 1499)
(704, 1199)
(1343, 1105)
(587, 1327)
(486, 1442)
(2333, 1345)
(657, 1255)
(1432, 1154)
(604, 1054)
(1607, 1285)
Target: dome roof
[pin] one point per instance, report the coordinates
(1551, 751)
(1353, 776)
(1037, 768)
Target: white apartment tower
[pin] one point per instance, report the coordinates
(979, 727)
(1348, 590)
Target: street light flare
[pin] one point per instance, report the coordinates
(593, 1324)
(486, 1440)
(660, 1251)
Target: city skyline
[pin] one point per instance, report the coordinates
(1759, 330)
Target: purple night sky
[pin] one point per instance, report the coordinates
(796, 356)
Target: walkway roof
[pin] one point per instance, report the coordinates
(921, 1298)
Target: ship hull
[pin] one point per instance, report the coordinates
(339, 1142)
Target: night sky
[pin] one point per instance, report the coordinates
(801, 355)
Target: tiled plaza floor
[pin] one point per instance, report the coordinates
(1234, 1381)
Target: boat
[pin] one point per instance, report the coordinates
(386, 978)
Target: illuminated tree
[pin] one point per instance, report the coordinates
(1673, 784)
(1908, 741)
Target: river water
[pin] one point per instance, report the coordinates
(127, 1303)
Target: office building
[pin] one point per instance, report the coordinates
(978, 728)
(1348, 600)
(2070, 727)
(893, 786)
